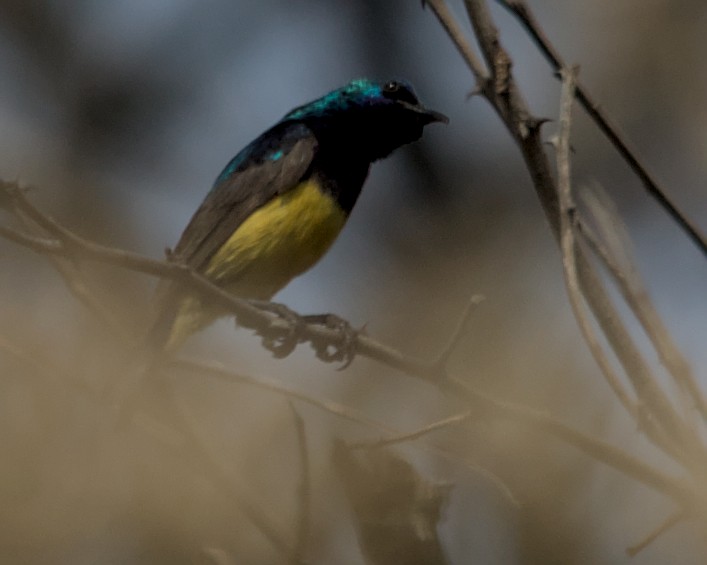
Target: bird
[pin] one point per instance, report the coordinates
(280, 203)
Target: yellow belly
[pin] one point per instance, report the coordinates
(277, 242)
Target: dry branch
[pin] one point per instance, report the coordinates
(653, 409)
(662, 423)
(521, 10)
(82, 250)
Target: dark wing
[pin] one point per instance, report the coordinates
(273, 164)
(234, 198)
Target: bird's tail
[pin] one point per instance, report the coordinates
(177, 316)
(154, 345)
(158, 338)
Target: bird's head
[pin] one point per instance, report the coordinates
(368, 116)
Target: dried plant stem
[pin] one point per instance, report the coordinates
(522, 11)
(568, 245)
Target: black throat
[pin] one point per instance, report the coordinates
(341, 175)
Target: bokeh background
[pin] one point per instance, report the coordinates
(121, 115)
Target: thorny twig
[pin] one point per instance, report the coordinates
(268, 325)
(507, 101)
(654, 410)
(498, 86)
(521, 10)
(368, 347)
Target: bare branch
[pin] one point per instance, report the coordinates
(38, 244)
(449, 23)
(568, 245)
(506, 99)
(620, 460)
(390, 357)
(602, 451)
(520, 9)
(636, 296)
(249, 313)
(75, 282)
(336, 409)
(443, 357)
(410, 436)
(672, 520)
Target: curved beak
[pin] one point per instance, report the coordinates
(433, 116)
(428, 116)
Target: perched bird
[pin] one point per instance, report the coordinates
(280, 203)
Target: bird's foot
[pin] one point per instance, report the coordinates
(279, 340)
(345, 350)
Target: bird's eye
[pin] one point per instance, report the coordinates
(399, 91)
(391, 86)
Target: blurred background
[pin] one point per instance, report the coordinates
(121, 115)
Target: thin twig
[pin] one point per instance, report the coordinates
(520, 9)
(33, 220)
(458, 333)
(636, 296)
(215, 371)
(449, 22)
(413, 367)
(26, 209)
(39, 244)
(599, 450)
(508, 102)
(365, 345)
(568, 246)
(410, 436)
(336, 409)
(675, 487)
(263, 321)
(669, 523)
